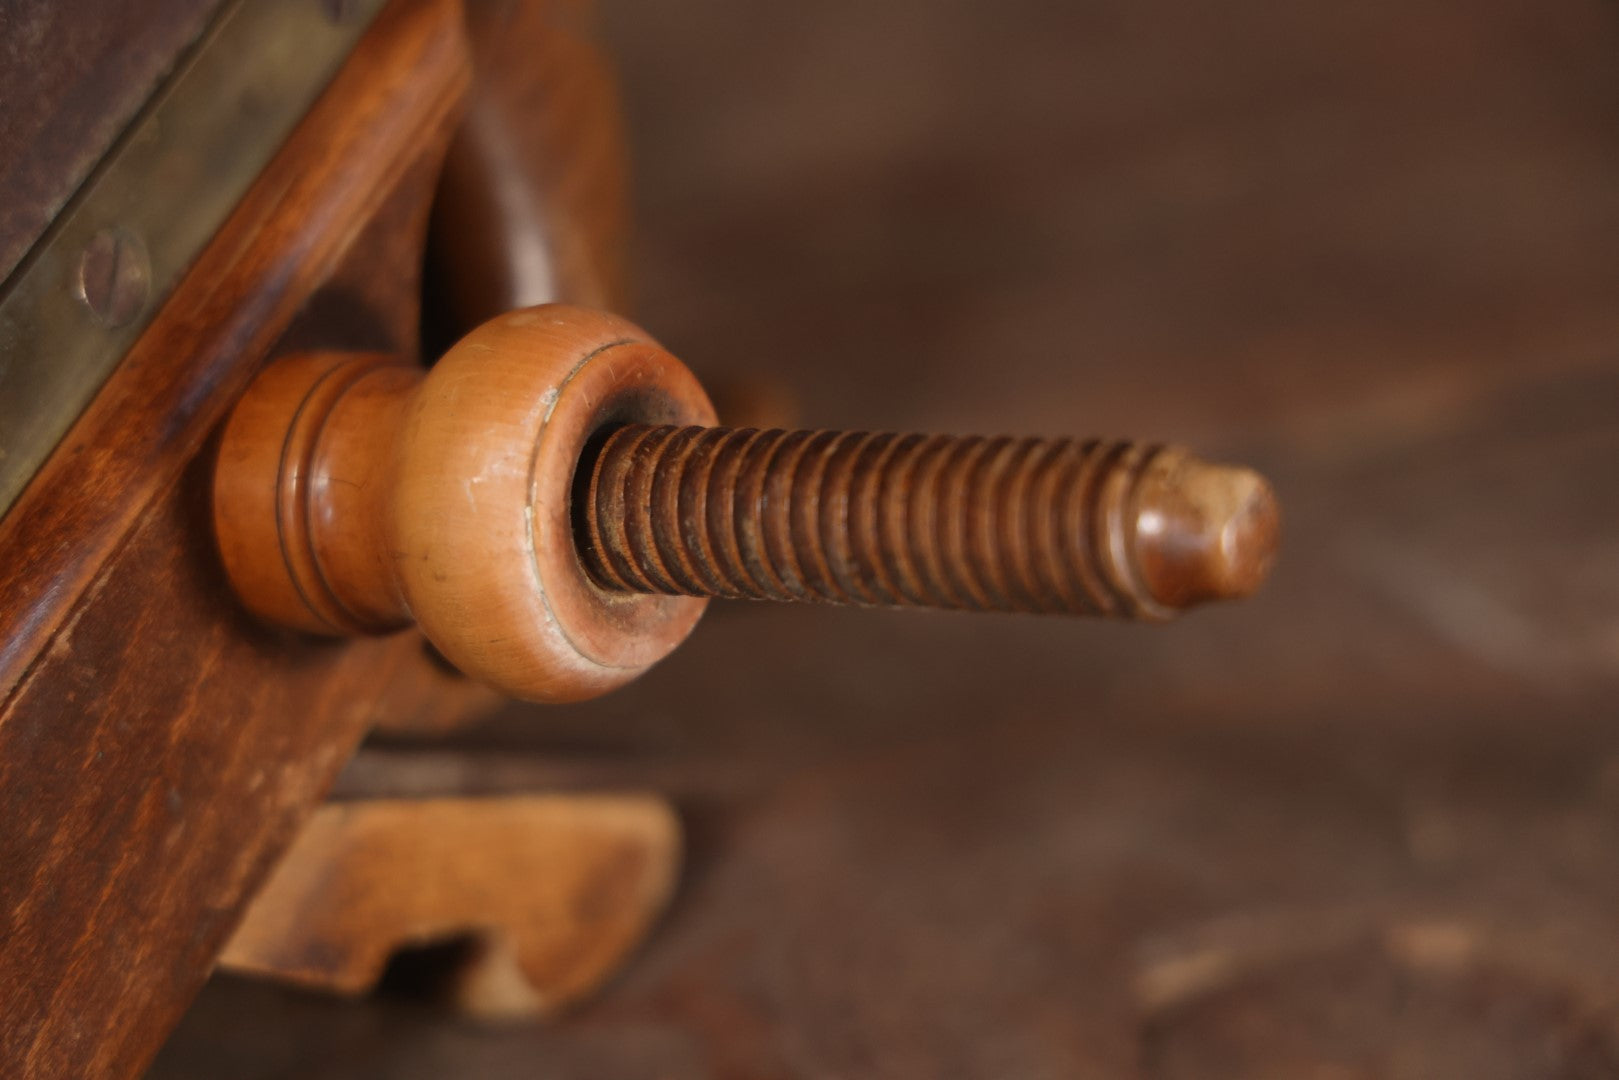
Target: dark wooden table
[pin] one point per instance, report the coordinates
(1365, 826)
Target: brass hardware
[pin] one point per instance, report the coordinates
(115, 277)
(80, 299)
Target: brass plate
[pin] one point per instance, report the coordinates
(150, 207)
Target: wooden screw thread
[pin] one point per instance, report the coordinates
(981, 524)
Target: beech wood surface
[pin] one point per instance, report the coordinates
(157, 747)
(533, 200)
(354, 495)
(547, 894)
(1363, 826)
(1069, 526)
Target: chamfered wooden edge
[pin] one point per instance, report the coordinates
(554, 891)
(286, 236)
(157, 749)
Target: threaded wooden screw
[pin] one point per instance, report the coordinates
(982, 524)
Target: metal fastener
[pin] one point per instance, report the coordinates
(115, 277)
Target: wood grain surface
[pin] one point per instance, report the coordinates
(533, 202)
(356, 494)
(539, 898)
(1360, 827)
(157, 748)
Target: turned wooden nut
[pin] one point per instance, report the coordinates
(357, 494)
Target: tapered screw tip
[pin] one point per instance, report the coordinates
(1204, 531)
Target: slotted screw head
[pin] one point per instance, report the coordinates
(114, 277)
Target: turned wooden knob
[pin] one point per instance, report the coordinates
(357, 494)
(553, 504)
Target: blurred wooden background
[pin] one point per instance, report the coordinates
(1364, 826)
